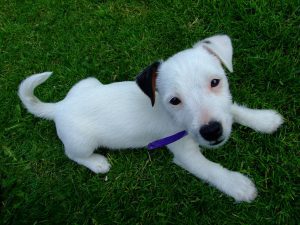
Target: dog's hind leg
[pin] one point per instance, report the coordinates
(265, 121)
(95, 162)
(82, 153)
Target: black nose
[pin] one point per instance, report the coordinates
(212, 131)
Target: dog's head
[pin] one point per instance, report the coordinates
(193, 88)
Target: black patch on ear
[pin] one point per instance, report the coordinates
(146, 80)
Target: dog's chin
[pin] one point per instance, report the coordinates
(210, 144)
(213, 144)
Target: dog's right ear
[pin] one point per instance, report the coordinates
(219, 46)
(146, 80)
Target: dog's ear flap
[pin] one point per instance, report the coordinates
(221, 47)
(146, 80)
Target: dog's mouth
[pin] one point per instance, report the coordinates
(213, 143)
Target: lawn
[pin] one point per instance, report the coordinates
(114, 41)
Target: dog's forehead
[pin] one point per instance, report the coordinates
(190, 67)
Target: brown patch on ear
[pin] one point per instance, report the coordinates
(212, 52)
(206, 42)
(153, 77)
(146, 80)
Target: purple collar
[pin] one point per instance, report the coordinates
(167, 140)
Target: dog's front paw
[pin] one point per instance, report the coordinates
(269, 121)
(261, 120)
(240, 187)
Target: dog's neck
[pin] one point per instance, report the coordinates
(167, 140)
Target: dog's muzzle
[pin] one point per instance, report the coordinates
(212, 132)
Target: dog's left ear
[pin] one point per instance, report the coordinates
(146, 80)
(221, 47)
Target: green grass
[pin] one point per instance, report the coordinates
(113, 41)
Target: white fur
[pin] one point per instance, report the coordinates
(265, 121)
(119, 115)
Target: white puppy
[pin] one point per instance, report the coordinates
(189, 92)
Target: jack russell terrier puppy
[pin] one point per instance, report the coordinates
(182, 103)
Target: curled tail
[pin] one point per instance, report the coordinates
(32, 103)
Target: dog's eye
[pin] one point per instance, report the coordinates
(175, 101)
(214, 82)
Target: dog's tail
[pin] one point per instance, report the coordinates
(32, 103)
